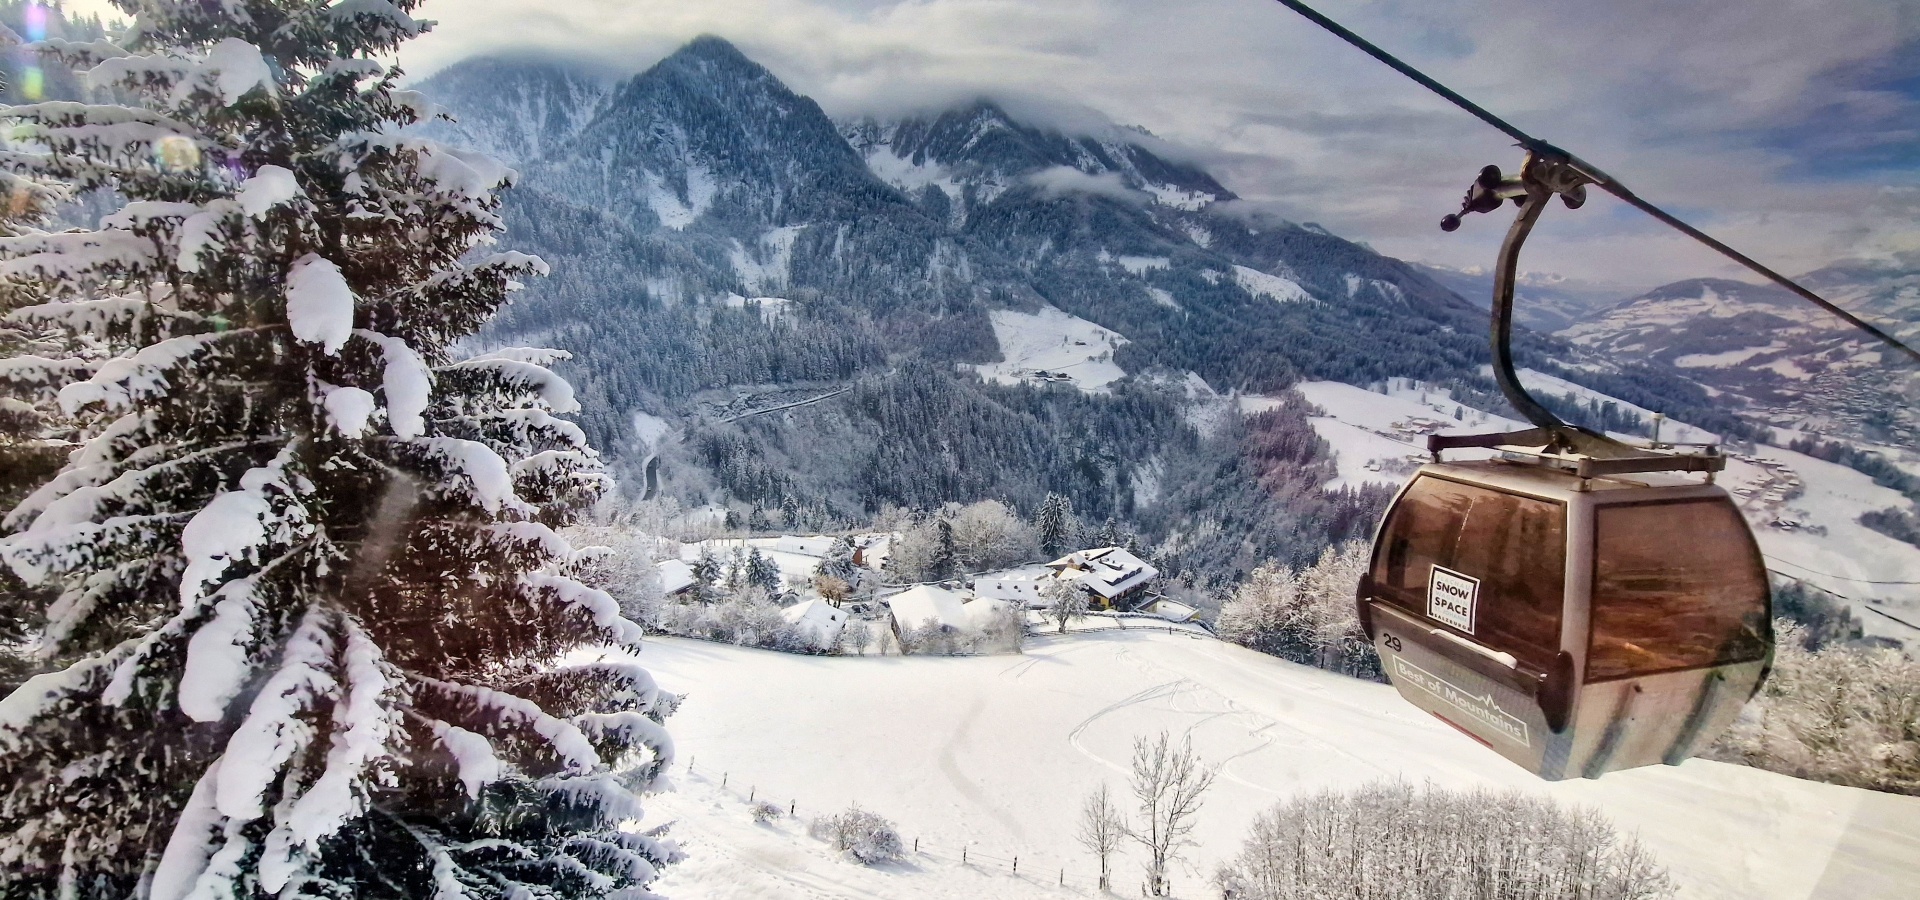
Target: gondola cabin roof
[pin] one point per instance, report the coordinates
(1548, 483)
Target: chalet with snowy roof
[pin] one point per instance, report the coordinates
(1022, 587)
(819, 620)
(1113, 577)
(676, 577)
(926, 605)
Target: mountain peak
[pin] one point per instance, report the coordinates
(712, 53)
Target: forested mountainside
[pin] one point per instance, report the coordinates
(807, 320)
(1783, 359)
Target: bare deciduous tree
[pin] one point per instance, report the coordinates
(834, 590)
(1101, 830)
(1167, 782)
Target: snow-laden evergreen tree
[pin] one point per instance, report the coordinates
(839, 561)
(312, 619)
(1054, 523)
(34, 436)
(945, 556)
(761, 572)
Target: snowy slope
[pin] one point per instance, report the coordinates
(995, 753)
(1274, 287)
(1541, 383)
(1053, 346)
(1382, 437)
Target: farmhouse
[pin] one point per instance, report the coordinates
(822, 621)
(924, 604)
(676, 577)
(1115, 578)
(1022, 587)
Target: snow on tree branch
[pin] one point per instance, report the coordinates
(596, 603)
(319, 302)
(566, 739)
(406, 381)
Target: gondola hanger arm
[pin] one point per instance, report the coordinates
(1595, 176)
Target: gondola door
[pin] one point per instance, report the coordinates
(1468, 586)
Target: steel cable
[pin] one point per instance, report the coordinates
(1601, 179)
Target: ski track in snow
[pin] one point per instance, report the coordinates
(996, 754)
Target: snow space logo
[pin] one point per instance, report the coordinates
(1451, 597)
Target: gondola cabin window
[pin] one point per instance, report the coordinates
(1676, 585)
(1483, 563)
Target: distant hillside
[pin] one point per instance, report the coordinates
(1782, 359)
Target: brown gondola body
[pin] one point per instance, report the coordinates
(1579, 604)
(1574, 625)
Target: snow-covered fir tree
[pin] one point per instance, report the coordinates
(309, 615)
(1054, 523)
(34, 436)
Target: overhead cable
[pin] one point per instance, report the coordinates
(1601, 179)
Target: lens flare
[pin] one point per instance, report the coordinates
(36, 21)
(33, 82)
(174, 153)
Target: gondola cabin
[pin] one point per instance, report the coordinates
(1575, 625)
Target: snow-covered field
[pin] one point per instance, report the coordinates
(1052, 345)
(794, 566)
(995, 753)
(1274, 287)
(1849, 559)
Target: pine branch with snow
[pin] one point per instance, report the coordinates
(304, 599)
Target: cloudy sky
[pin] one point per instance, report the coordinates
(1790, 128)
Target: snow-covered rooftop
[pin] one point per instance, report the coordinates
(916, 606)
(1107, 571)
(821, 620)
(675, 576)
(1019, 586)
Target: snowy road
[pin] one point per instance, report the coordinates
(995, 753)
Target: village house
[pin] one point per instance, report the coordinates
(821, 621)
(676, 577)
(1114, 578)
(927, 605)
(1022, 587)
